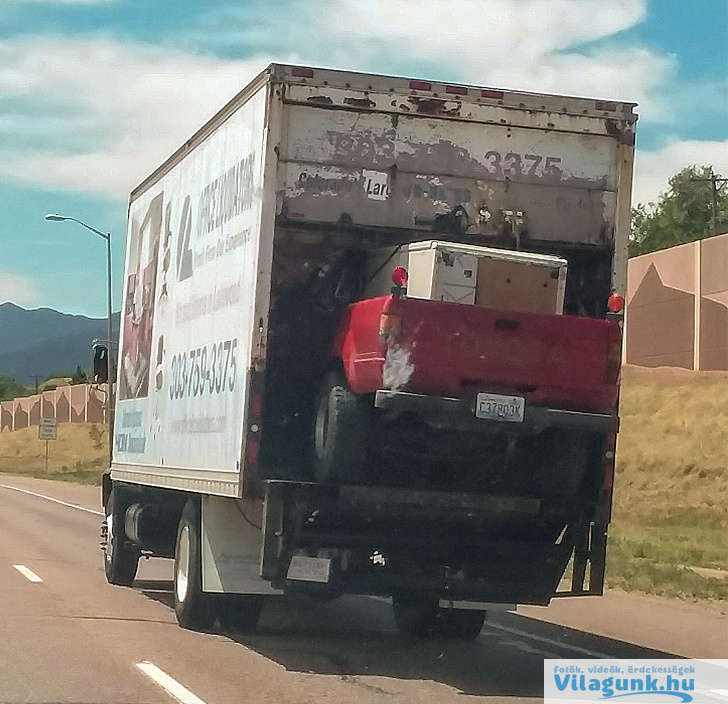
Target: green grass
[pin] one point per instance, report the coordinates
(671, 486)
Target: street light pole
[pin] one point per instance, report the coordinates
(109, 405)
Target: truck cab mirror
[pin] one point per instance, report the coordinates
(101, 364)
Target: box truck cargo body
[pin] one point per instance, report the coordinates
(260, 331)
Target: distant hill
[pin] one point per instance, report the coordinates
(44, 341)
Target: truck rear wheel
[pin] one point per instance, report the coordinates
(240, 612)
(121, 557)
(422, 617)
(416, 616)
(194, 608)
(341, 432)
(463, 624)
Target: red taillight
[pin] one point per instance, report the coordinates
(389, 325)
(399, 276)
(252, 449)
(420, 85)
(301, 72)
(615, 303)
(256, 406)
(497, 94)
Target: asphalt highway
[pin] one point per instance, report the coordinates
(67, 636)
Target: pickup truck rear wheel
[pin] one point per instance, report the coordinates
(341, 432)
(121, 557)
(194, 608)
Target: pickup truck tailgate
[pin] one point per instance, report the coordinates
(449, 349)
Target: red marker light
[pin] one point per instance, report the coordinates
(399, 276)
(456, 90)
(496, 94)
(615, 303)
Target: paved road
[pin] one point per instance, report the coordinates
(73, 638)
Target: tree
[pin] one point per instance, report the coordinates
(683, 213)
(9, 389)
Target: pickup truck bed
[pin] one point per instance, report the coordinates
(453, 350)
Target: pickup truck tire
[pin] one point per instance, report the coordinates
(341, 431)
(121, 557)
(194, 608)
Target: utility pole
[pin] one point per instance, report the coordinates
(714, 181)
(35, 377)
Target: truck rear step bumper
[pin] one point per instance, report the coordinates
(460, 413)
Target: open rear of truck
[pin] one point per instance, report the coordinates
(454, 506)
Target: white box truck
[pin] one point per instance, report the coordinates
(281, 427)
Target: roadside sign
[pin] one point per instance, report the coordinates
(47, 429)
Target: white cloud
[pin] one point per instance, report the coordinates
(130, 105)
(145, 101)
(17, 289)
(654, 168)
(519, 44)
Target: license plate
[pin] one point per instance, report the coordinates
(309, 569)
(504, 408)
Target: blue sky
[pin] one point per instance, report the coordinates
(95, 93)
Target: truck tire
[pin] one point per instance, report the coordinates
(239, 612)
(121, 557)
(194, 608)
(341, 432)
(416, 616)
(422, 617)
(463, 624)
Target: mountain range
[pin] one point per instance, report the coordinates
(44, 341)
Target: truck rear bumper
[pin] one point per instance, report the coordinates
(460, 413)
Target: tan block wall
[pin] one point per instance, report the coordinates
(6, 415)
(79, 403)
(667, 292)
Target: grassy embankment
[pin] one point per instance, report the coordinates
(669, 533)
(79, 454)
(670, 526)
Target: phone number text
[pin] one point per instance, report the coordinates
(210, 369)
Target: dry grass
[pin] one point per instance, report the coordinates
(79, 454)
(671, 488)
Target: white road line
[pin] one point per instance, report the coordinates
(550, 641)
(28, 573)
(50, 498)
(170, 685)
